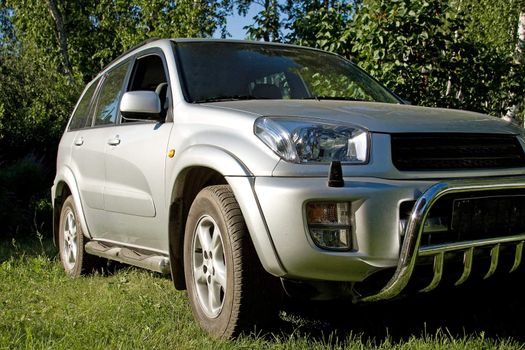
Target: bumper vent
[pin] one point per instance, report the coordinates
(446, 151)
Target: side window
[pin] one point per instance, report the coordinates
(109, 96)
(149, 74)
(82, 116)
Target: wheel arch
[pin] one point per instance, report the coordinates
(189, 183)
(203, 166)
(65, 184)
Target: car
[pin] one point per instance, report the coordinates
(251, 170)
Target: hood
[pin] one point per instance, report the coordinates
(377, 117)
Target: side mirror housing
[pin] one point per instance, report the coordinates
(141, 105)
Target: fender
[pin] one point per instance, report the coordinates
(66, 176)
(213, 157)
(241, 181)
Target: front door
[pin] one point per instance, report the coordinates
(134, 191)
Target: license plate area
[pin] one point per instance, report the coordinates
(488, 216)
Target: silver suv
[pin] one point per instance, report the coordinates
(246, 169)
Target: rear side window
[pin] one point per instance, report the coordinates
(82, 118)
(109, 96)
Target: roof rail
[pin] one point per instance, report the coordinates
(147, 41)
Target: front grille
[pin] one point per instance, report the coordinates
(449, 151)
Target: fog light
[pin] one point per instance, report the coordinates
(329, 225)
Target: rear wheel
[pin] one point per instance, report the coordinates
(71, 241)
(226, 283)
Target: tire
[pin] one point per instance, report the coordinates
(228, 289)
(71, 241)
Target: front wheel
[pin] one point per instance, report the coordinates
(226, 283)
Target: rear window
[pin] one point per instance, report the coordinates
(109, 96)
(82, 116)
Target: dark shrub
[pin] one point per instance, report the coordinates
(24, 197)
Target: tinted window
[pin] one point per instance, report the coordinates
(82, 118)
(224, 71)
(109, 96)
(149, 74)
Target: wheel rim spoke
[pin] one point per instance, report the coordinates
(220, 275)
(216, 242)
(71, 256)
(212, 297)
(204, 236)
(209, 269)
(199, 275)
(70, 240)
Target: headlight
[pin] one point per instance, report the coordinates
(310, 141)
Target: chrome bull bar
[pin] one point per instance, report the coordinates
(412, 249)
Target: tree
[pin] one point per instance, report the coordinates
(62, 38)
(7, 35)
(321, 24)
(48, 51)
(497, 24)
(57, 46)
(420, 50)
(267, 23)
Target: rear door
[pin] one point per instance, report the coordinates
(82, 150)
(89, 147)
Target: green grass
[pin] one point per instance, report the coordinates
(41, 308)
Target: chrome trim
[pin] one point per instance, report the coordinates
(517, 257)
(467, 263)
(494, 256)
(411, 248)
(438, 272)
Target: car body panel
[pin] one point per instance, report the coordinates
(88, 165)
(377, 117)
(135, 186)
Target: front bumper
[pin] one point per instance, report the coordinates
(412, 249)
(378, 240)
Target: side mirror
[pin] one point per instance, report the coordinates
(141, 105)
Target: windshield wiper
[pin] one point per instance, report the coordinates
(226, 98)
(336, 98)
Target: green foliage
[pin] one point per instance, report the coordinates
(428, 51)
(24, 198)
(420, 50)
(100, 31)
(37, 93)
(36, 102)
(267, 24)
(42, 308)
(321, 25)
(7, 35)
(493, 22)
(2, 111)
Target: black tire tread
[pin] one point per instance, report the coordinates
(254, 304)
(86, 263)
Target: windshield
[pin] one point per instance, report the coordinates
(225, 71)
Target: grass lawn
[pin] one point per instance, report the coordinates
(41, 308)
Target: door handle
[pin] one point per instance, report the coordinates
(114, 141)
(79, 141)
